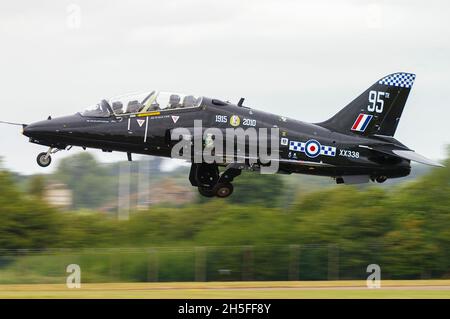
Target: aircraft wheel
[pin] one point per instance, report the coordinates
(207, 192)
(43, 159)
(381, 179)
(223, 190)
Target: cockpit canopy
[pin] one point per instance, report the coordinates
(142, 102)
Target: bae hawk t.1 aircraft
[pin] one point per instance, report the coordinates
(354, 146)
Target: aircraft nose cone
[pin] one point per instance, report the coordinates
(36, 129)
(50, 128)
(28, 130)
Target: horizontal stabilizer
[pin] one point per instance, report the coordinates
(405, 154)
(413, 156)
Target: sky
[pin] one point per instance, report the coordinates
(301, 59)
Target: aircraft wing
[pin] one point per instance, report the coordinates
(242, 159)
(306, 163)
(405, 154)
(288, 161)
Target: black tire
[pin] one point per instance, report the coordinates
(43, 159)
(206, 192)
(381, 179)
(223, 190)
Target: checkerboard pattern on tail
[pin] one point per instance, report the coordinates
(405, 80)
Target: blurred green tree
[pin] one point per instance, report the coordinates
(91, 183)
(25, 223)
(405, 228)
(264, 189)
(36, 186)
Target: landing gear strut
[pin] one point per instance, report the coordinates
(210, 183)
(44, 159)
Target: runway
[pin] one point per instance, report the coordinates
(188, 290)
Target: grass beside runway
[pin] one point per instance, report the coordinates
(204, 290)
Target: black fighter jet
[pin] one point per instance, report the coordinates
(356, 145)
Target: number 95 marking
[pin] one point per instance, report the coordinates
(376, 101)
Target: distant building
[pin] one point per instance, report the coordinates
(58, 195)
(169, 192)
(166, 191)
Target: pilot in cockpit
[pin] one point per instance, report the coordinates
(174, 101)
(117, 107)
(133, 106)
(154, 106)
(189, 101)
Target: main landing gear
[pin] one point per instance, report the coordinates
(44, 159)
(212, 184)
(381, 179)
(220, 190)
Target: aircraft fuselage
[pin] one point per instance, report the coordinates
(148, 133)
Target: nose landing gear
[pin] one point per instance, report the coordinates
(44, 159)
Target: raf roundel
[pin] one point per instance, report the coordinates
(312, 148)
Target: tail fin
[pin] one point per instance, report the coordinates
(377, 110)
